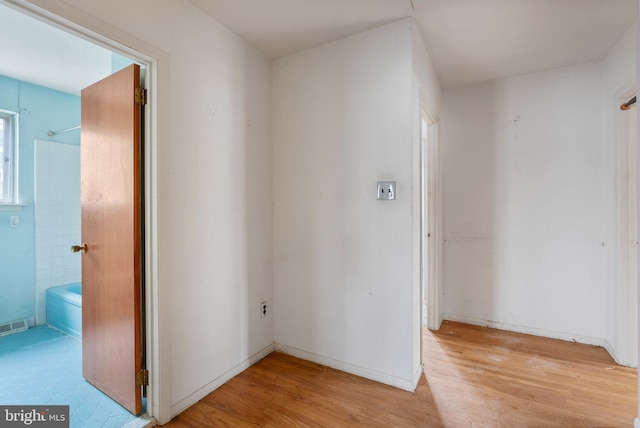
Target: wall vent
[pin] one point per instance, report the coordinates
(14, 327)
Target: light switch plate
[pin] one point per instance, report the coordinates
(386, 190)
(14, 221)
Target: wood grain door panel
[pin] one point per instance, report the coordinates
(111, 205)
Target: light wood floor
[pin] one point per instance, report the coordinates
(474, 377)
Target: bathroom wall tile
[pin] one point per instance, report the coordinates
(43, 241)
(57, 217)
(42, 273)
(42, 220)
(56, 262)
(71, 260)
(60, 250)
(56, 209)
(69, 229)
(42, 253)
(56, 271)
(56, 231)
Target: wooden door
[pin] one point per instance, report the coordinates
(111, 229)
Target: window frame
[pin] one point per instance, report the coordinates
(10, 143)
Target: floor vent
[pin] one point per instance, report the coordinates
(14, 327)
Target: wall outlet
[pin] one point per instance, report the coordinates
(14, 221)
(263, 309)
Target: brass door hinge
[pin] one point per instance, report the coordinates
(141, 96)
(142, 378)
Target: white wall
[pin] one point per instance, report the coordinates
(524, 203)
(343, 261)
(214, 195)
(619, 77)
(425, 74)
(218, 218)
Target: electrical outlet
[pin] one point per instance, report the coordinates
(263, 309)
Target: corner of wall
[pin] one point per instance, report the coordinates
(425, 73)
(330, 147)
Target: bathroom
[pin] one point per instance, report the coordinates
(38, 232)
(39, 226)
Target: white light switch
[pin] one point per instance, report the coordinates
(386, 190)
(14, 221)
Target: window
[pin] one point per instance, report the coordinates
(8, 157)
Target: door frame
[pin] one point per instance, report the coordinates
(156, 63)
(430, 220)
(626, 348)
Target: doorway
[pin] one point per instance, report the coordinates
(149, 143)
(430, 221)
(627, 191)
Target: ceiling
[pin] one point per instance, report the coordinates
(481, 40)
(469, 41)
(282, 27)
(39, 53)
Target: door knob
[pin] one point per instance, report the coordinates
(82, 248)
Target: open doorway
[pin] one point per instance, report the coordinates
(626, 350)
(430, 222)
(48, 161)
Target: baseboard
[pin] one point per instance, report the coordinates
(587, 340)
(424, 321)
(416, 377)
(187, 402)
(636, 423)
(406, 384)
(144, 421)
(440, 319)
(611, 350)
(617, 356)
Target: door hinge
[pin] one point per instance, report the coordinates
(142, 377)
(141, 96)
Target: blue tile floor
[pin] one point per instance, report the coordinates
(44, 366)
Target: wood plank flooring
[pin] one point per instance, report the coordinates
(474, 377)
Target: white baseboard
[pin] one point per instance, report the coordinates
(636, 423)
(623, 360)
(424, 320)
(439, 321)
(611, 350)
(144, 421)
(406, 384)
(416, 377)
(588, 340)
(187, 402)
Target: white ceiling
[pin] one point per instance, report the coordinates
(282, 27)
(481, 40)
(469, 40)
(39, 53)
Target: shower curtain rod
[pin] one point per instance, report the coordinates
(628, 104)
(52, 133)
